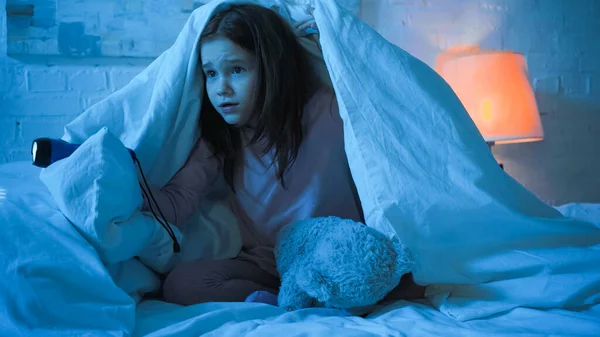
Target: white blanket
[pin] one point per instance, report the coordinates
(483, 243)
(400, 319)
(55, 285)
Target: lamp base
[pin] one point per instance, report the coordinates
(490, 144)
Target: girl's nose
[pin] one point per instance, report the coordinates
(224, 87)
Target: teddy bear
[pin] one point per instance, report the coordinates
(337, 263)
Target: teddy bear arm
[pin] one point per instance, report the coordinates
(291, 296)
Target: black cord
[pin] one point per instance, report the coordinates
(165, 224)
(168, 228)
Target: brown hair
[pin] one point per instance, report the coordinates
(284, 85)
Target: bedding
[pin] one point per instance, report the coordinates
(55, 284)
(403, 318)
(497, 261)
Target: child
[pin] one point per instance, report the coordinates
(276, 138)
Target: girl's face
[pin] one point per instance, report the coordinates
(230, 79)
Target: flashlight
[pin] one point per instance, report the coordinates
(46, 151)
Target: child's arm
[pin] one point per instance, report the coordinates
(181, 196)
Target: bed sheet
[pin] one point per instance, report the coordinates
(403, 318)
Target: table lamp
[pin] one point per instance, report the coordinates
(495, 90)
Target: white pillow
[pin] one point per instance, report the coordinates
(97, 189)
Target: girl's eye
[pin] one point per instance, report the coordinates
(237, 70)
(211, 73)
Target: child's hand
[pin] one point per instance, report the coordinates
(307, 27)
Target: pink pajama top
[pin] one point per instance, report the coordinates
(318, 184)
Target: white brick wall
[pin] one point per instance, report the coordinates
(561, 41)
(38, 95)
(37, 98)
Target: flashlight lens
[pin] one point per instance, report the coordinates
(34, 150)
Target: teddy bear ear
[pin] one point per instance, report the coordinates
(404, 260)
(313, 283)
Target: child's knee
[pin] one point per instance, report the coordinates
(192, 282)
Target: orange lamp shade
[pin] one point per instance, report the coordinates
(494, 88)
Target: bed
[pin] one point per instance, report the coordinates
(54, 284)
